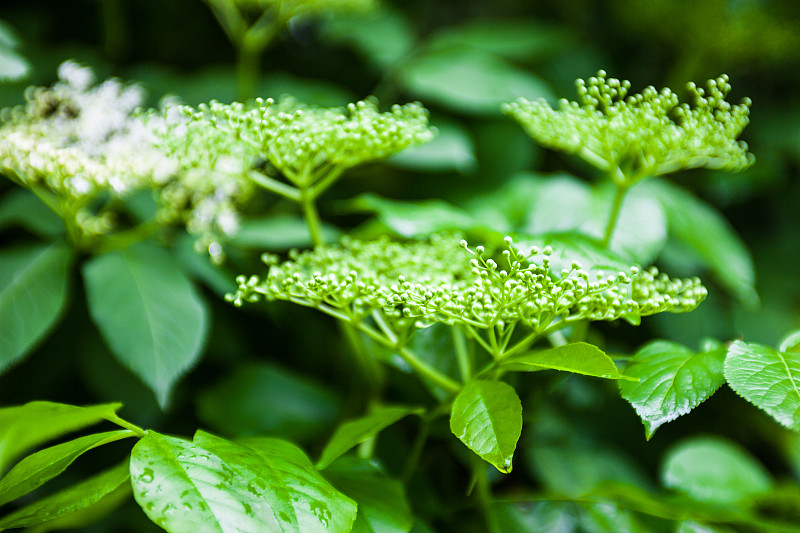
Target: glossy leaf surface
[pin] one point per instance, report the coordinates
(38, 468)
(70, 500)
(215, 485)
(25, 426)
(767, 378)
(576, 357)
(673, 380)
(487, 417)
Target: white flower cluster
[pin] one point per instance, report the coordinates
(645, 134)
(442, 280)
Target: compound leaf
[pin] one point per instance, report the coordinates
(70, 500)
(767, 378)
(673, 380)
(42, 466)
(33, 290)
(577, 357)
(215, 485)
(487, 417)
(148, 313)
(354, 432)
(25, 426)
(713, 470)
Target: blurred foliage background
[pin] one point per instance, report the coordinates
(281, 370)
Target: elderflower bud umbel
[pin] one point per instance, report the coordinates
(645, 134)
(442, 280)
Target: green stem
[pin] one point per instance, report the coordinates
(484, 493)
(273, 185)
(311, 216)
(323, 184)
(416, 449)
(462, 354)
(127, 425)
(616, 208)
(248, 69)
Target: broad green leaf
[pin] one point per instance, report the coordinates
(696, 527)
(514, 39)
(535, 517)
(767, 378)
(259, 398)
(673, 380)
(487, 417)
(451, 150)
(87, 515)
(790, 343)
(42, 466)
(354, 432)
(560, 203)
(25, 426)
(384, 36)
(468, 80)
(70, 500)
(714, 470)
(215, 485)
(22, 207)
(33, 290)
(382, 506)
(577, 357)
(148, 312)
(717, 245)
(414, 219)
(278, 233)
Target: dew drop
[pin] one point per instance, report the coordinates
(147, 476)
(247, 509)
(284, 516)
(187, 506)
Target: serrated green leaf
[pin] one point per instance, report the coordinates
(215, 485)
(42, 466)
(767, 378)
(382, 505)
(33, 291)
(414, 219)
(714, 470)
(487, 417)
(468, 80)
(451, 150)
(22, 207)
(673, 380)
(569, 247)
(265, 399)
(717, 245)
(790, 343)
(278, 233)
(70, 500)
(25, 426)
(148, 312)
(354, 432)
(576, 357)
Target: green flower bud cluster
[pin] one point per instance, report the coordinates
(307, 144)
(443, 280)
(645, 134)
(79, 140)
